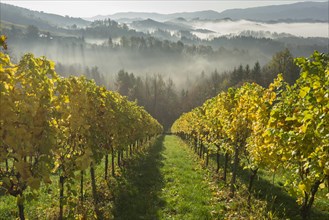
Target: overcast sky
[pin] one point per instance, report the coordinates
(76, 8)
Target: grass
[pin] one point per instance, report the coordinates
(37, 205)
(186, 187)
(44, 203)
(268, 200)
(137, 189)
(167, 181)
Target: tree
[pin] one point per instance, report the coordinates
(247, 72)
(110, 42)
(125, 83)
(32, 32)
(97, 76)
(256, 74)
(215, 81)
(237, 76)
(124, 42)
(282, 62)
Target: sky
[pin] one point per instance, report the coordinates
(86, 9)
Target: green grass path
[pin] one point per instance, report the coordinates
(186, 190)
(167, 183)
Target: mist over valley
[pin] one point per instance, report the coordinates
(191, 54)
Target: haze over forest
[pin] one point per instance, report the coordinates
(170, 63)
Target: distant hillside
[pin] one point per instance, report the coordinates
(303, 11)
(22, 16)
(209, 14)
(160, 17)
(151, 24)
(297, 12)
(132, 16)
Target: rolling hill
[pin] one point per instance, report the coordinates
(297, 12)
(304, 11)
(46, 21)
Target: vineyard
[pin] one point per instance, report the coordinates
(63, 126)
(69, 148)
(280, 127)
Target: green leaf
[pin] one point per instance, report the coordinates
(34, 183)
(303, 128)
(3, 43)
(290, 118)
(304, 91)
(302, 187)
(316, 85)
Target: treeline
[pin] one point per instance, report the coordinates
(79, 70)
(115, 35)
(165, 101)
(118, 41)
(105, 29)
(270, 128)
(157, 96)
